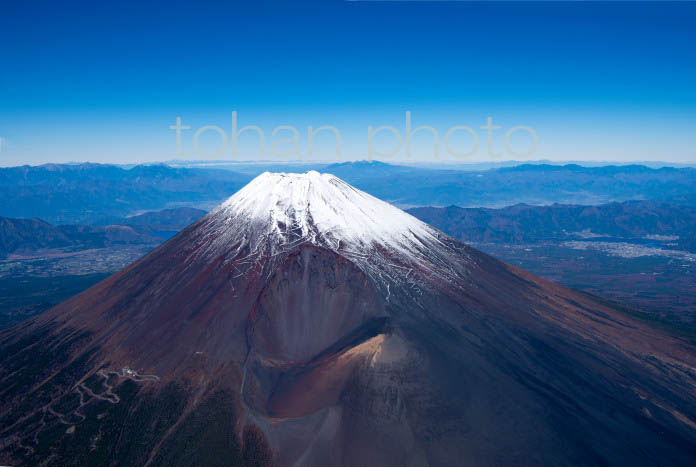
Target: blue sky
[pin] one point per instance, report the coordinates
(103, 81)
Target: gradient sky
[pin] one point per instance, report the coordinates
(102, 81)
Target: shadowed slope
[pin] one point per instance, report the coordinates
(274, 337)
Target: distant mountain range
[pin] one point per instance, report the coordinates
(164, 224)
(304, 322)
(521, 223)
(606, 249)
(87, 193)
(94, 193)
(28, 236)
(530, 184)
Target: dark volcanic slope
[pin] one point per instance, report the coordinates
(290, 327)
(635, 252)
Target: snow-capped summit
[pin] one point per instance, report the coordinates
(276, 212)
(322, 208)
(311, 324)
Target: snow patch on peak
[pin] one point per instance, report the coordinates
(322, 208)
(278, 212)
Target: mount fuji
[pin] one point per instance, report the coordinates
(304, 322)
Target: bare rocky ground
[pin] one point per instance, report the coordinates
(304, 338)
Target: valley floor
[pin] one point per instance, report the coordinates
(662, 285)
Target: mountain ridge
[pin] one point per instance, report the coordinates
(90, 192)
(522, 222)
(31, 236)
(255, 337)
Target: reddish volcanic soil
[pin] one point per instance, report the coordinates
(309, 353)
